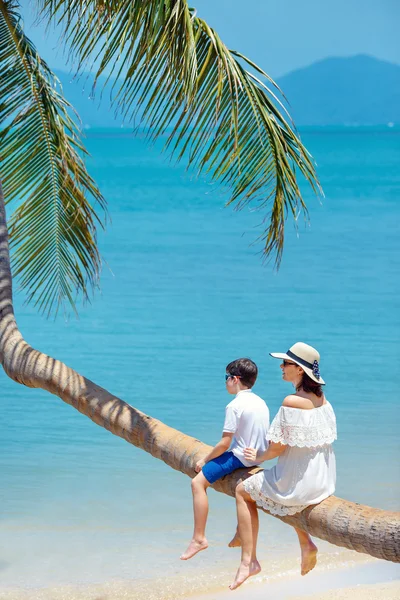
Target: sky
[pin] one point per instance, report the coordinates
(280, 35)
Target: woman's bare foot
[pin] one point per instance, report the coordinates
(235, 541)
(245, 571)
(193, 548)
(308, 557)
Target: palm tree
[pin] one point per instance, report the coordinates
(176, 76)
(219, 117)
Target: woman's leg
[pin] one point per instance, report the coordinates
(308, 551)
(235, 541)
(248, 532)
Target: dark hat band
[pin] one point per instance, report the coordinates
(300, 360)
(313, 366)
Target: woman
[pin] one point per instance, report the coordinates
(301, 435)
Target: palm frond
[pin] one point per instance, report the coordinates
(53, 228)
(176, 76)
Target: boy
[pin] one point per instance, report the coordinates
(246, 425)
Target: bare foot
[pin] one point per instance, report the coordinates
(245, 571)
(193, 548)
(235, 541)
(308, 558)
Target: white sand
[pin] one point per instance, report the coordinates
(371, 580)
(342, 574)
(377, 591)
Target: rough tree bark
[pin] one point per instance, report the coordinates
(354, 526)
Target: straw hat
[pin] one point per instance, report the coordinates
(306, 357)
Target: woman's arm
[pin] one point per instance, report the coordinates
(274, 449)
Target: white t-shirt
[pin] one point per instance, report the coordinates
(247, 416)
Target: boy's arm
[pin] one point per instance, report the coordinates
(218, 449)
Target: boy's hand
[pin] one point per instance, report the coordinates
(199, 465)
(250, 454)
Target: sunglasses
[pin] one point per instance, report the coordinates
(286, 363)
(229, 376)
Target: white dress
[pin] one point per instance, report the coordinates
(306, 471)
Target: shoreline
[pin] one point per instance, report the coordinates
(340, 575)
(373, 580)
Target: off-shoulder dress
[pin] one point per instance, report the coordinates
(306, 471)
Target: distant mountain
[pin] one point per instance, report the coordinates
(359, 90)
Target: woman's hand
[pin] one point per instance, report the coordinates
(250, 454)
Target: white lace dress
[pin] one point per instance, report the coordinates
(306, 471)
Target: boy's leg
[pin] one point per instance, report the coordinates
(200, 510)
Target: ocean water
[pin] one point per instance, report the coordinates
(184, 291)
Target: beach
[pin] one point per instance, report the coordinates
(341, 575)
(388, 591)
(371, 581)
(87, 516)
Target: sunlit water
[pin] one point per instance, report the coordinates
(184, 293)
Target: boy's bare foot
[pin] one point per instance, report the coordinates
(235, 541)
(308, 557)
(245, 571)
(193, 548)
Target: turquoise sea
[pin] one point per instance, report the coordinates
(184, 291)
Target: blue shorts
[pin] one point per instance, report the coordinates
(224, 464)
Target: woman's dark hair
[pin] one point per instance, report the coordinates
(309, 385)
(245, 369)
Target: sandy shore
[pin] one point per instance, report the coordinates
(341, 574)
(377, 591)
(373, 580)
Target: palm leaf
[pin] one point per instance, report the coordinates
(178, 79)
(53, 228)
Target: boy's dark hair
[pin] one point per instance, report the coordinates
(245, 369)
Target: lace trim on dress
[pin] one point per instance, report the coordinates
(322, 431)
(273, 507)
(301, 436)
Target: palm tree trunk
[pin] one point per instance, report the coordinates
(361, 528)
